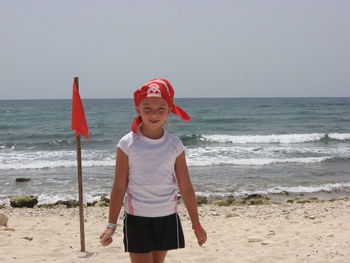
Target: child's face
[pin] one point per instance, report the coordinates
(154, 112)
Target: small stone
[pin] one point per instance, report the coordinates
(265, 243)
(46, 206)
(201, 200)
(230, 199)
(102, 204)
(256, 202)
(104, 198)
(91, 203)
(312, 217)
(313, 200)
(21, 180)
(222, 203)
(69, 203)
(253, 196)
(254, 239)
(8, 229)
(331, 235)
(232, 215)
(28, 238)
(272, 233)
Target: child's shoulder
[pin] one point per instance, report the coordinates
(129, 137)
(173, 137)
(126, 141)
(175, 141)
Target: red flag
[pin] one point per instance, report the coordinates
(78, 116)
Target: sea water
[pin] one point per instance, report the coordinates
(234, 146)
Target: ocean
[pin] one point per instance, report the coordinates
(234, 146)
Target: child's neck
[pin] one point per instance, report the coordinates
(152, 133)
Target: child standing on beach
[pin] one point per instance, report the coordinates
(150, 166)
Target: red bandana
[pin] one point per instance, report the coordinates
(157, 88)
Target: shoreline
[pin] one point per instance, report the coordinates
(258, 199)
(50, 186)
(288, 232)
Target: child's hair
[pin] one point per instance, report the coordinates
(157, 88)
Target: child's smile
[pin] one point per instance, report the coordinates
(154, 121)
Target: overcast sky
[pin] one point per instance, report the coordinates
(205, 48)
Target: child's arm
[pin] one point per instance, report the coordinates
(117, 195)
(189, 197)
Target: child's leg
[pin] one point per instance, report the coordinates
(152, 257)
(159, 256)
(141, 257)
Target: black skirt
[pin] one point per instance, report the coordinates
(146, 234)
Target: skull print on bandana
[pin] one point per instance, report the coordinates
(154, 91)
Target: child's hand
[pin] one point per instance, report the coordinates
(201, 235)
(106, 237)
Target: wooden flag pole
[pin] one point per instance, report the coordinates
(80, 187)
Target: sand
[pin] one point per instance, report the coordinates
(310, 232)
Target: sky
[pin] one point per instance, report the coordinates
(205, 48)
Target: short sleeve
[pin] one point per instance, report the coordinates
(124, 144)
(179, 146)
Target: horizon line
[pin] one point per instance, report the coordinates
(242, 97)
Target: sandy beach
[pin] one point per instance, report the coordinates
(310, 232)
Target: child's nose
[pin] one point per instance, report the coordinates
(154, 112)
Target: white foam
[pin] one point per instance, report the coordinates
(209, 161)
(55, 164)
(252, 155)
(202, 156)
(313, 189)
(339, 136)
(274, 138)
(298, 189)
(51, 199)
(268, 150)
(54, 159)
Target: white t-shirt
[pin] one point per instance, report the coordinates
(152, 184)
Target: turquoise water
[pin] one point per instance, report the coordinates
(234, 146)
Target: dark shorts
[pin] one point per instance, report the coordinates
(146, 234)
